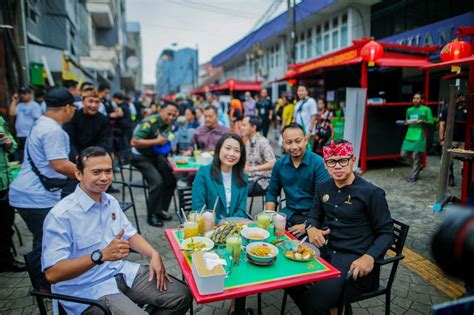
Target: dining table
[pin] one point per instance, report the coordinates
(246, 279)
(178, 166)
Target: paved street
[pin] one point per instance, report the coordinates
(409, 203)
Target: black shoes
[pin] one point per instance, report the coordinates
(13, 266)
(412, 179)
(154, 220)
(163, 216)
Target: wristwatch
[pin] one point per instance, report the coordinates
(96, 257)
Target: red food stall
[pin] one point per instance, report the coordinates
(381, 138)
(230, 86)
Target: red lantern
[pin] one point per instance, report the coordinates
(371, 51)
(231, 85)
(290, 74)
(457, 49)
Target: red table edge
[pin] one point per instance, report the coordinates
(256, 288)
(178, 170)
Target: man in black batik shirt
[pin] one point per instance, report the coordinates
(358, 230)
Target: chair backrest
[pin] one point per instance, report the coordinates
(400, 232)
(185, 202)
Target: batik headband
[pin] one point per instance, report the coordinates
(341, 149)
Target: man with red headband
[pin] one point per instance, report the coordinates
(359, 231)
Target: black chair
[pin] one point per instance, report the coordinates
(400, 231)
(252, 195)
(185, 202)
(125, 205)
(134, 183)
(30, 262)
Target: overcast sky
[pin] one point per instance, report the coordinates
(210, 25)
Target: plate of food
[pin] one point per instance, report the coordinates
(262, 252)
(299, 252)
(254, 234)
(197, 244)
(224, 230)
(181, 160)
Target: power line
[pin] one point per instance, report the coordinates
(201, 7)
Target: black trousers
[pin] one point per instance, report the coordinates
(317, 298)
(265, 126)
(160, 179)
(7, 217)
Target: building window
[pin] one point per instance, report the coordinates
(326, 42)
(335, 22)
(326, 26)
(309, 48)
(335, 40)
(277, 57)
(344, 36)
(319, 45)
(302, 51)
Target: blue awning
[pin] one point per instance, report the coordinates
(275, 26)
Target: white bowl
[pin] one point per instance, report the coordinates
(207, 241)
(273, 253)
(254, 230)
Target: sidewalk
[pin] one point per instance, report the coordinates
(409, 203)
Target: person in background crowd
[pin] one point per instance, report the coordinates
(303, 165)
(32, 192)
(183, 136)
(260, 156)
(249, 104)
(306, 111)
(360, 230)
(151, 132)
(417, 118)
(264, 109)
(278, 114)
(39, 98)
(459, 131)
(26, 111)
(140, 107)
(124, 127)
(88, 127)
(8, 263)
(236, 112)
(207, 136)
(190, 115)
(288, 111)
(224, 180)
(200, 116)
(199, 103)
(133, 110)
(77, 98)
(87, 259)
(323, 127)
(182, 104)
(71, 85)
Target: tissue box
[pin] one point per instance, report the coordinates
(207, 281)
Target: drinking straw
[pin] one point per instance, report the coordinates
(184, 215)
(203, 207)
(215, 205)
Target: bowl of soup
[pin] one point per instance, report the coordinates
(254, 234)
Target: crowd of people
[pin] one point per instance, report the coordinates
(67, 144)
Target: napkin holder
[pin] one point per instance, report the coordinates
(207, 281)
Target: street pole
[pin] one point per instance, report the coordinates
(22, 43)
(290, 34)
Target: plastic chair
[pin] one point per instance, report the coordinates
(125, 205)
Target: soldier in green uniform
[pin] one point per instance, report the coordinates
(414, 145)
(153, 133)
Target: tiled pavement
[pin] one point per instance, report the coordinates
(408, 202)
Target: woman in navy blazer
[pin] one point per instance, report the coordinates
(223, 179)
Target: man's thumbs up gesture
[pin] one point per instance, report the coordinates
(117, 249)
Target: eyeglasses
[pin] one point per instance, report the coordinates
(342, 162)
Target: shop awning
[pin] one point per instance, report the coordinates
(402, 62)
(461, 61)
(237, 85)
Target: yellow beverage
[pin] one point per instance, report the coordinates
(197, 217)
(191, 229)
(234, 245)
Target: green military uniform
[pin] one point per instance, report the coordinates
(154, 167)
(5, 175)
(415, 140)
(150, 128)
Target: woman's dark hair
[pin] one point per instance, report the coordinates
(88, 153)
(237, 169)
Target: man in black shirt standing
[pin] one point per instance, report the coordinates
(88, 127)
(265, 111)
(359, 231)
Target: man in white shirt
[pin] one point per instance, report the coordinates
(86, 241)
(26, 111)
(306, 111)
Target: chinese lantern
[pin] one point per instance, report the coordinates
(371, 51)
(291, 74)
(231, 85)
(457, 49)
